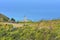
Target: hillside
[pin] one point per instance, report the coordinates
(3, 18)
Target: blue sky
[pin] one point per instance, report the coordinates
(32, 9)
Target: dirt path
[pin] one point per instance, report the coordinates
(14, 24)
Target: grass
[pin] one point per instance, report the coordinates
(44, 30)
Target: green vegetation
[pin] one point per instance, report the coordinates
(41, 30)
(12, 20)
(3, 18)
(8, 32)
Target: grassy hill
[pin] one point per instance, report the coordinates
(3, 18)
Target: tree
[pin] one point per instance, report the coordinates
(12, 20)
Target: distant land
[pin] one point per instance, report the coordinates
(4, 18)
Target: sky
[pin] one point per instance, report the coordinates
(32, 9)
